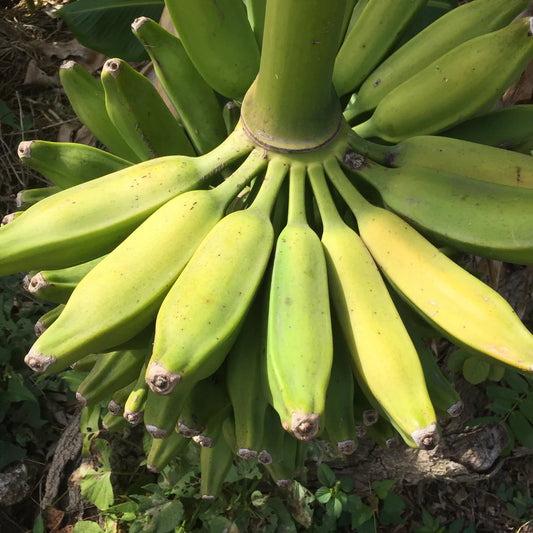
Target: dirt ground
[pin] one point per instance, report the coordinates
(32, 46)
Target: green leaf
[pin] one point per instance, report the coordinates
(10, 453)
(346, 484)
(87, 527)
(323, 494)
(456, 360)
(392, 509)
(326, 476)
(382, 488)
(165, 518)
(38, 525)
(334, 508)
(476, 370)
(96, 488)
(526, 407)
(105, 25)
(516, 381)
(521, 428)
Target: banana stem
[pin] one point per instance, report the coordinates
(292, 106)
(234, 184)
(355, 200)
(328, 211)
(266, 197)
(377, 152)
(296, 212)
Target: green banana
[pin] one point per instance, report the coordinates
(206, 400)
(87, 98)
(456, 156)
(443, 396)
(458, 304)
(281, 449)
(231, 114)
(452, 29)
(111, 371)
(161, 412)
(382, 353)
(67, 164)
(510, 128)
(200, 317)
(88, 220)
(162, 451)
(140, 114)
(134, 405)
(370, 38)
(118, 399)
(340, 424)
(383, 433)
(300, 343)
(245, 382)
(255, 10)
(351, 12)
(85, 364)
(57, 285)
(47, 319)
(215, 461)
(125, 287)
(28, 197)
(489, 219)
(220, 42)
(194, 100)
(442, 95)
(114, 423)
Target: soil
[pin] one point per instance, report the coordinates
(32, 46)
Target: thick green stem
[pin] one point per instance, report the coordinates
(292, 105)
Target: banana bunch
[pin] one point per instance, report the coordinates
(247, 299)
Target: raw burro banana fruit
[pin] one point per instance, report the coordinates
(245, 299)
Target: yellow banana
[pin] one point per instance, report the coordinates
(201, 315)
(382, 352)
(300, 344)
(455, 302)
(125, 287)
(441, 95)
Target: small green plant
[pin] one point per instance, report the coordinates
(16, 123)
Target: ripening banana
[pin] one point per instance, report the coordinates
(196, 103)
(110, 372)
(456, 156)
(489, 219)
(201, 315)
(509, 127)
(456, 303)
(129, 284)
(57, 285)
(373, 33)
(67, 164)
(448, 31)
(382, 353)
(220, 42)
(460, 84)
(300, 343)
(87, 98)
(90, 219)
